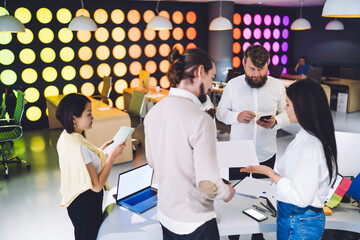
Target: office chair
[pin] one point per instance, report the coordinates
(315, 73)
(3, 106)
(11, 130)
(105, 92)
(348, 73)
(276, 71)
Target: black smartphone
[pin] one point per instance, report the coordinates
(265, 117)
(258, 216)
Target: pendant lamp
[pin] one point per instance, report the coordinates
(159, 22)
(300, 23)
(82, 22)
(220, 23)
(9, 23)
(341, 9)
(335, 25)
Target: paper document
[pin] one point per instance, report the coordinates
(104, 108)
(123, 134)
(252, 187)
(236, 154)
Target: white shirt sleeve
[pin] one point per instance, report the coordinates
(90, 157)
(281, 117)
(224, 112)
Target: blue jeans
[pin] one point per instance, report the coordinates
(298, 223)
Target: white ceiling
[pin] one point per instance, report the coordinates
(281, 3)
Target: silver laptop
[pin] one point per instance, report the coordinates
(134, 189)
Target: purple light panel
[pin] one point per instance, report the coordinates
(276, 33)
(284, 59)
(267, 46)
(257, 19)
(285, 33)
(245, 46)
(247, 33)
(267, 20)
(284, 46)
(285, 70)
(257, 43)
(275, 60)
(277, 20)
(267, 33)
(257, 33)
(276, 46)
(286, 21)
(247, 19)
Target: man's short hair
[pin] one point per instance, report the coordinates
(258, 55)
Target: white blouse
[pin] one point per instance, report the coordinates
(305, 176)
(89, 156)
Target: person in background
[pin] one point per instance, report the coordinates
(301, 70)
(305, 173)
(84, 168)
(180, 146)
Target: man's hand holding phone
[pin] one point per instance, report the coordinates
(267, 121)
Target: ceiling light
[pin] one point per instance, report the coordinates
(300, 23)
(335, 25)
(159, 22)
(9, 23)
(220, 23)
(82, 22)
(341, 9)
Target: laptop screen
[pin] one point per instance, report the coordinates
(133, 181)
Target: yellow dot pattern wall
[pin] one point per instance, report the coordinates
(49, 59)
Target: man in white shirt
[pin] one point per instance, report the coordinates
(181, 147)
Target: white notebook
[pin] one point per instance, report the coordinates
(123, 134)
(252, 187)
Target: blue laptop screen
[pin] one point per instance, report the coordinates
(133, 181)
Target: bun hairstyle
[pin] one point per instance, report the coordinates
(183, 66)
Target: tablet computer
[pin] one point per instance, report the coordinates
(123, 134)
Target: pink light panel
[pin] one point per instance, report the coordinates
(276, 47)
(245, 46)
(284, 46)
(257, 19)
(284, 59)
(257, 33)
(267, 46)
(267, 20)
(276, 33)
(286, 21)
(285, 33)
(277, 20)
(247, 33)
(267, 33)
(247, 19)
(275, 60)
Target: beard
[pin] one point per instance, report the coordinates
(255, 82)
(202, 96)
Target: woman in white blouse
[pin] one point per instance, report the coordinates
(309, 166)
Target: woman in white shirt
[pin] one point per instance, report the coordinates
(309, 166)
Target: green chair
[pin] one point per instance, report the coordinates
(3, 106)
(135, 108)
(11, 130)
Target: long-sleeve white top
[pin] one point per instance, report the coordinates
(181, 147)
(305, 176)
(270, 99)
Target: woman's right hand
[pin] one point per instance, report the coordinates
(117, 150)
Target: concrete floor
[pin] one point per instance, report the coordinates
(29, 201)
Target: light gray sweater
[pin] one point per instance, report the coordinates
(181, 147)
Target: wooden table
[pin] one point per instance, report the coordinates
(353, 89)
(107, 121)
(152, 96)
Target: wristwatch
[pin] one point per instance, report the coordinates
(274, 124)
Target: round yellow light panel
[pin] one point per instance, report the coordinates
(44, 15)
(135, 51)
(164, 66)
(119, 103)
(83, 36)
(63, 15)
(46, 35)
(150, 50)
(151, 67)
(68, 73)
(87, 89)
(164, 82)
(33, 113)
(27, 56)
(148, 15)
(29, 75)
(102, 52)
(178, 33)
(47, 55)
(135, 68)
(178, 17)
(25, 37)
(8, 77)
(32, 95)
(134, 34)
(120, 69)
(117, 16)
(164, 50)
(164, 14)
(85, 53)
(49, 74)
(135, 83)
(70, 88)
(164, 34)
(179, 47)
(120, 85)
(5, 38)
(118, 34)
(133, 16)
(86, 71)
(119, 52)
(51, 91)
(101, 16)
(67, 54)
(3, 11)
(101, 34)
(23, 14)
(83, 12)
(152, 82)
(149, 34)
(65, 35)
(103, 70)
(7, 57)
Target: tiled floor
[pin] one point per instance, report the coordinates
(29, 201)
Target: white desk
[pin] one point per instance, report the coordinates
(123, 224)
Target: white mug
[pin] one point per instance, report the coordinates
(157, 88)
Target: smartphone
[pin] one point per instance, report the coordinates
(258, 216)
(265, 117)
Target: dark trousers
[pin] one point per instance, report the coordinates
(207, 231)
(235, 174)
(85, 213)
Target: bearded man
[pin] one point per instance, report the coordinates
(248, 97)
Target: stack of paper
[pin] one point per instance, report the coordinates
(252, 187)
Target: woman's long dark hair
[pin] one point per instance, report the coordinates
(313, 114)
